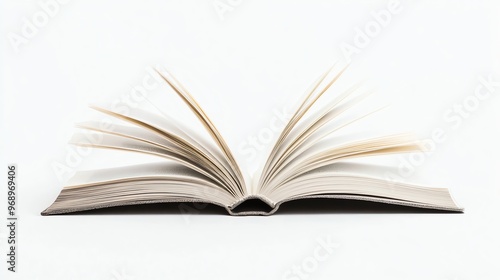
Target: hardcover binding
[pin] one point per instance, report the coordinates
(232, 210)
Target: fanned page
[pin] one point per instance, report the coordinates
(305, 162)
(301, 165)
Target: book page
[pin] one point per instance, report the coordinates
(360, 179)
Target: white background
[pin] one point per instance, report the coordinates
(243, 65)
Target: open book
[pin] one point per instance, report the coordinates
(300, 164)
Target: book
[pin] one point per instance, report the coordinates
(304, 163)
